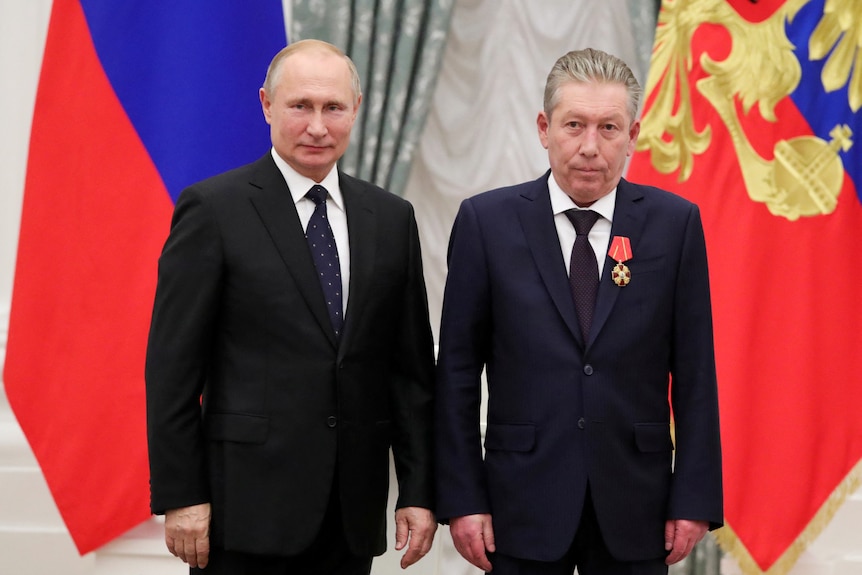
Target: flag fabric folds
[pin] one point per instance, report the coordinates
(136, 100)
(752, 112)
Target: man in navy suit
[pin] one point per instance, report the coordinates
(580, 466)
(283, 467)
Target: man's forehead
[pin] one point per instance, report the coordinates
(602, 99)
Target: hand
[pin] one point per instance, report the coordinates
(473, 536)
(415, 525)
(680, 537)
(187, 531)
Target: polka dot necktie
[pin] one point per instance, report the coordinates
(321, 242)
(583, 268)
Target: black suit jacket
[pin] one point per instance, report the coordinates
(240, 320)
(563, 412)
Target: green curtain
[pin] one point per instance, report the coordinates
(397, 46)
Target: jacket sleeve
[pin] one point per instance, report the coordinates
(465, 325)
(413, 386)
(184, 315)
(696, 492)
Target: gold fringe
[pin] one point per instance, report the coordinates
(732, 545)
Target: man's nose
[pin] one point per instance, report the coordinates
(590, 142)
(316, 125)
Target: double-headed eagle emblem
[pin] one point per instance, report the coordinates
(806, 174)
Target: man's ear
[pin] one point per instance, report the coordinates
(266, 106)
(542, 124)
(634, 131)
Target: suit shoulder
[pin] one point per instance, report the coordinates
(661, 197)
(230, 180)
(373, 193)
(499, 197)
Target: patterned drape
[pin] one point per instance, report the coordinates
(397, 46)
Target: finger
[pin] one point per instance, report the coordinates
(412, 555)
(669, 530)
(202, 551)
(170, 543)
(402, 532)
(462, 545)
(427, 539)
(681, 548)
(488, 538)
(420, 541)
(477, 554)
(192, 557)
(180, 546)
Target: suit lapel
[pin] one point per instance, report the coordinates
(629, 220)
(274, 205)
(361, 226)
(537, 220)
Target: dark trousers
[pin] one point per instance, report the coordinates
(329, 554)
(588, 553)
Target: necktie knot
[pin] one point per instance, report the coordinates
(317, 194)
(583, 220)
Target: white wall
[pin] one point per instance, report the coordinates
(33, 540)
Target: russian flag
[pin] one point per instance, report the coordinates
(136, 100)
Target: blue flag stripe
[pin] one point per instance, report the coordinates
(824, 110)
(187, 74)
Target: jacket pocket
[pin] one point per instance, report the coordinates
(238, 427)
(651, 437)
(510, 437)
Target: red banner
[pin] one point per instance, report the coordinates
(752, 112)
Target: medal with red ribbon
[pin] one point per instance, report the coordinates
(621, 251)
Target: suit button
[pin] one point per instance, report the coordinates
(588, 369)
(582, 423)
(331, 421)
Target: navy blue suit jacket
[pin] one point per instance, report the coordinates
(564, 413)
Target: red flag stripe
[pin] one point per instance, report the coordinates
(94, 217)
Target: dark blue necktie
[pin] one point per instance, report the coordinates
(583, 269)
(321, 242)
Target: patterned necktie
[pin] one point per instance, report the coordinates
(583, 268)
(321, 242)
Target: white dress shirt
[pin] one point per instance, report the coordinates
(599, 236)
(335, 213)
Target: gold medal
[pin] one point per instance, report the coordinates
(621, 251)
(621, 274)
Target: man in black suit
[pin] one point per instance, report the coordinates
(278, 376)
(580, 467)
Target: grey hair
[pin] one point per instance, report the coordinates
(275, 66)
(587, 66)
